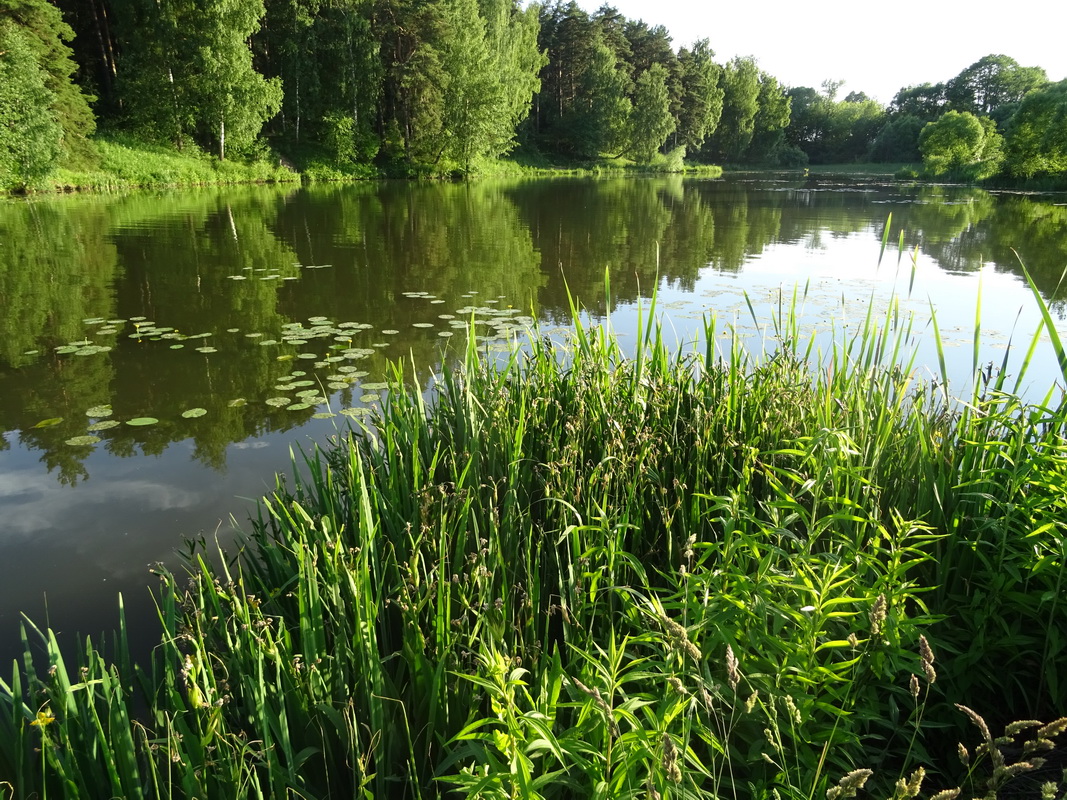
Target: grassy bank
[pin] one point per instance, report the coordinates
(127, 163)
(124, 163)
(579, 574)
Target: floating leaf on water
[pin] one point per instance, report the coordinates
(66, 348)
(206, 350)
(93, 320)
(376, 386)
(355, 412)
(286, 357)
(285, 387)
(177, 346)
(422, 325)
(237, 277)
(237, 402)
(99, 411)
(333, 359)
(306, 355)
(446, 316)
(232, 330)
(296, 341)
(298, 373)
(253, 335)
(107, 330)
(142, 421)
(82, 441)
(30, 352)
(290, 278)
(370, 397)
(318, 319)
(323, 415)
(390, 332)
(267, 342)
(48, 423)
(445, 334)
(278, 402)
(297, 407)
(192, 413)
(82, 343)
(303, 383)
(436, 302)
(117, 321)
(103, 425)
(336, 386)
(349, 325)
(137, 319)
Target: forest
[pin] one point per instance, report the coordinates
(363, 88)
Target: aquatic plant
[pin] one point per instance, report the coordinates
(581, 573)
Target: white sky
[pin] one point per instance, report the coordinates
(874, 47)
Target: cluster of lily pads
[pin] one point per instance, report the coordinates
(275, 274)
(326, 346)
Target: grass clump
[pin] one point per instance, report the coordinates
(581, 574)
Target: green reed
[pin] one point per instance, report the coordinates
(580, 574)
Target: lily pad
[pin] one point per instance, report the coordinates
(48, 423)
(298, 407)
(323, 415)
(99, 411)
(355, 412)
(237, 402)
(206, 350)
(82, 441)
(278, 402)
(139, 422)
(103, 425)
(192, 413)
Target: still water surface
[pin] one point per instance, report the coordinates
(161, 353)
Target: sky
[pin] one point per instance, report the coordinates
(876, 48)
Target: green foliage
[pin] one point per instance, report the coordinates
(833, 131)
(30, 135)
(650, 120)
(926, 102)
(186, 72)
(702, 97)
(897, 141)
(46, 36)
(961, 145)
(740, 83)
(992, 83)
(1037, 134)
(603, 114)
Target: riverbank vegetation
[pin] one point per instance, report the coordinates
(368, 88)
(576, 573)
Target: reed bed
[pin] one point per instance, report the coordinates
(577, 574)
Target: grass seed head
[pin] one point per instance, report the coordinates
(979, 722)
(733, 677)
(1053, 729)
(878, 614)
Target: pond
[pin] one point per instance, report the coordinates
(163, 354)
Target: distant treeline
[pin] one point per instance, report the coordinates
(443, 86)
